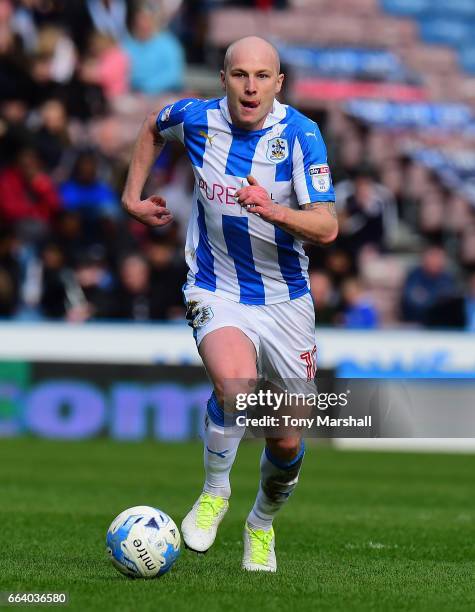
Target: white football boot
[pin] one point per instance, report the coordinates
(200, 525)
(259, 554)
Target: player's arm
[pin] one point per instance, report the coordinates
(316, 222)
(148, 146)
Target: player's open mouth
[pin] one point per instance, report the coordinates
(250, 103)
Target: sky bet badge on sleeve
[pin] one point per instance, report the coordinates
(320, 177)
(277, 150)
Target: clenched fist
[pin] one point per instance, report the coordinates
(152, 211)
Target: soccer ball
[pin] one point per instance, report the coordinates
(143, 542)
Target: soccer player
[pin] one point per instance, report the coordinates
(262, 187)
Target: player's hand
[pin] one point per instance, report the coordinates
(256, 200)
(152, 211)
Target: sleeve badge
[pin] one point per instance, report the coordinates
(320, 175)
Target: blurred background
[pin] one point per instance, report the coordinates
(391, 84)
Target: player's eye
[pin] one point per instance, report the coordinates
(263, 76)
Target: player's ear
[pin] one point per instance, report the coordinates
(280, 80)
(223, 79)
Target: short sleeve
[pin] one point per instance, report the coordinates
(171, 119)
(311, 175)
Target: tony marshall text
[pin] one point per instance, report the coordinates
(289, 421)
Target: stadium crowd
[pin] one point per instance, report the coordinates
(77, 77)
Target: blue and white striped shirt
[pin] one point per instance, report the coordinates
(228, 251)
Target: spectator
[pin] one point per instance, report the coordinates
(27, 194)
(134, 300)
(427, 286)
(53, 286)
(107, 65)
(156, 57)
(368, 213)
(359, 312)
(470, 305)
(90, 291)
(87, 194)
(69, 236)
(9, 274)
(52, 136)
(108, 17)
(324, 297)
(14, 134)
(15, 81)
(55, 46)
(339, 266)
(85, 99)
(168, 275)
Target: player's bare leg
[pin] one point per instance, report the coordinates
(228, 355)
(280, 466)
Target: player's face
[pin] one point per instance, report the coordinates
(251, 84)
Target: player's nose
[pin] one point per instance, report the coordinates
(251, 86)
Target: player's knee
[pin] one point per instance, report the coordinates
(227, 390)
(284, 448)
(236, 381)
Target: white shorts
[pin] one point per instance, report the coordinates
(283, 334)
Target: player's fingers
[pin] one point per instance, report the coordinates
(159, 221)
(248, 200)
(167, 219)
(241, 194)
(252, 181)
(158, 200)
(255, 210)
(163, 211)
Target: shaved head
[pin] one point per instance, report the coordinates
(255, 48)
(251, 79)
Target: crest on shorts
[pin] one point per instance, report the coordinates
(198, 315)
(277, 150)
(202, 316)
(320, 175)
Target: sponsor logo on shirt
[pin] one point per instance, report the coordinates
(221, 194)
(277, 150)
(320, 175)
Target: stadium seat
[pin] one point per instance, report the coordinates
(419, 8)
(453, 32)
(413, 8)
(459, 8)
(337, 6)
(308, 28)
(467, 59)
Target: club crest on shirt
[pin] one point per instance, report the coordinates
(277, 149)
(320, 175)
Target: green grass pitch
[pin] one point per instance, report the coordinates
(363, 531)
